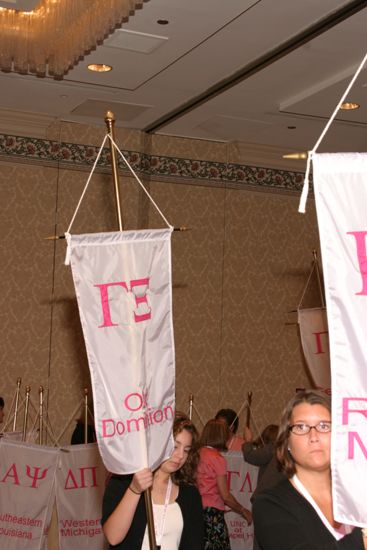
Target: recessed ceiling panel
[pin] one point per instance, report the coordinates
(135, 41)
(230, 128)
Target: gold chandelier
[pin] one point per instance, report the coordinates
(53, 37)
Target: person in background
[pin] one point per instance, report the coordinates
(178, 515)
(78, 435)
(229, 416)
(261, 453)
(297, 514)
(78, 438)
(212, 483)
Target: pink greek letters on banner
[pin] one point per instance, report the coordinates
(340, 183)
(321, 341)
(82, 478)
(355, 438)
(360, 238)
(140, 298)
(12, 476)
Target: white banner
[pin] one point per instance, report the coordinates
(124, 290)
(242, 479)
(340, 182)
(315, 344)
(27, 489)
(80, 484)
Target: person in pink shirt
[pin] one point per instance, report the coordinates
(230, 417)
(213, 487)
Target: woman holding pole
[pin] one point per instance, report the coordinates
(178, 516)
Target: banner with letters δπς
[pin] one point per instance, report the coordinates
(124, 291)
(27, 491)
(80, 484)
(340, 183)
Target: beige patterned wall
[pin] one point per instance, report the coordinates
(237, 273)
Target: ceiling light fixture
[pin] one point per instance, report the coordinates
(52, 38)
(99, 68)
(349, 106)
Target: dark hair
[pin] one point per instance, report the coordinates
(268, 435)
(187, 474)
(215, 434)
(312, 397)
(2, 404)
(179, 415)
(230, 416)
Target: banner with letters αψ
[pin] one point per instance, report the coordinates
(124, 290)
(80, 484)
(27, 490)
(340, 182)
(315, 344)
(242, 479)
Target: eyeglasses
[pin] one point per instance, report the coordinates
(303, 429)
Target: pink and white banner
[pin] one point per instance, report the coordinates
(124, 290)
(315, 344)
(340, 182)
(242, 479)
(80, 484)
(27, 490)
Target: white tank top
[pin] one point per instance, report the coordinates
(173, 526)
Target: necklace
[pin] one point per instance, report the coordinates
(159, 529)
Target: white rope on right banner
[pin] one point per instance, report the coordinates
(304, 194)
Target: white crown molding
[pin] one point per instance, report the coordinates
(24, 124)
(35, 125)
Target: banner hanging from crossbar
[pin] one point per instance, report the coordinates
(340, 182)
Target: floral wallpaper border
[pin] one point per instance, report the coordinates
(201, 172)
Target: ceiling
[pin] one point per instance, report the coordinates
(264, 72)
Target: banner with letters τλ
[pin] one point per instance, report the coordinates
(80, 484)
(315, 344)
(27, 491)
(340, 182)
(242, 479)
(124, 290)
